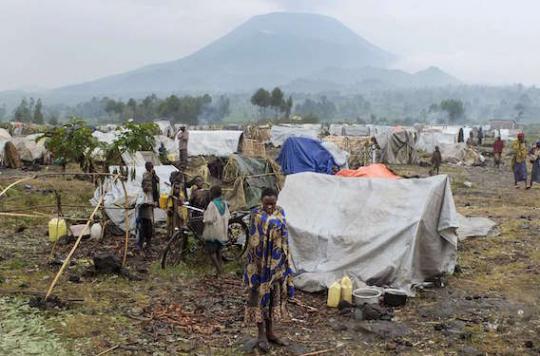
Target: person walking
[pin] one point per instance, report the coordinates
(498, 147)
(267, 274)
(436, 160)
(519, 160)
(183, 139)
(534, 156)
(216, 221)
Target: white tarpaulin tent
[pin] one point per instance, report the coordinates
(165, 128)
(28, 148)
(428, 140)
(280, 133)
(5, 137)
(383, 232)
(349, 130)
(114, 195)
(219, 143)
(340, 156)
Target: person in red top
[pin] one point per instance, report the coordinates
(498, 147)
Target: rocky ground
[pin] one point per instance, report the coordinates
(491, 305)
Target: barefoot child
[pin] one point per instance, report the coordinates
(216, 219)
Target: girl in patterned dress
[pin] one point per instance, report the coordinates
(267, 274)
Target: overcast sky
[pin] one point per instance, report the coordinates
(50, 43)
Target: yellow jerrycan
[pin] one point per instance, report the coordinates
(163, 200)
(334, 295)
(346, 289)
(57, 229)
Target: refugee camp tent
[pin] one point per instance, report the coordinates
(219, 143)
(29, 150)
(377, 170)
(249, 176)
(170, 146)
(460, 153)
(427, 140)
(349, 130)
(398, 147)
(9, 157)
(139, 158)
(340, 156)
(280, 133)
(384, 232)
(114, 195)
(301, 154)
(356, 147)
(165, 128)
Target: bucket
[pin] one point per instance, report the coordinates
(394, 297)
(366, 296)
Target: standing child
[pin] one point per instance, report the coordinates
(436, 160)
(216, 221)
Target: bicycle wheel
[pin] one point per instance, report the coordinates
(174, 251)
(238, 236)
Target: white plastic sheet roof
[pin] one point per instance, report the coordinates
(428, 140)
(349, 130)
(114, 195)
(280, 133)
(28, 148)
(383, 232)
(220, 143)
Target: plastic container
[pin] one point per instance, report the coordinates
(163, 198)
(366, 296)
(96, 231)
(346, 289)
(334, 295)
(57, 229)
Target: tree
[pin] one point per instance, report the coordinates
(22, 112)
(287, 107)
(133, 137)
(38, 114)
(3, 112)
(276, 100)
(53, 119)
(454, 109)
(72, 142)
(262, 99)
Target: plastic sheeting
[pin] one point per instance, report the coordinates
(474, 227)
(301, 154)
(220, 143)
(340, 156)
(383, 232)
(165, 128)
(30, 150)
(349, 130)
(280, 133)
(428, 140)
(398, 147)
(114, 199)
(377, 170)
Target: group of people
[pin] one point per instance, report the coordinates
(267, 273)
(520, 155)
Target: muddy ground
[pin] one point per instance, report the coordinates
(491, 306)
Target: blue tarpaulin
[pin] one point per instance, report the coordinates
(301, 154)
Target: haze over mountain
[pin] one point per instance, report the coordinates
(267, 50)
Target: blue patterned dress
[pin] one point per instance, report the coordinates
(267, 274)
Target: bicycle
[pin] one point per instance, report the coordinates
(234, 248)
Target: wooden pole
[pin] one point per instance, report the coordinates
(14, 184)
(77, 242)
(126, 217)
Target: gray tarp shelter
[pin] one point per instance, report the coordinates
(383, 232)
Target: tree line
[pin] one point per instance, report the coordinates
(187, 109)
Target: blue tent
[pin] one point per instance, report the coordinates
(301, 154)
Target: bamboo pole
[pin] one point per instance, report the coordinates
(77, 242)
(15, 183)
(21, 215)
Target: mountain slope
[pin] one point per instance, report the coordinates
(334, 78)
(267, 50)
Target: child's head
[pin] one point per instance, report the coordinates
(215, 192)
(149, 166)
